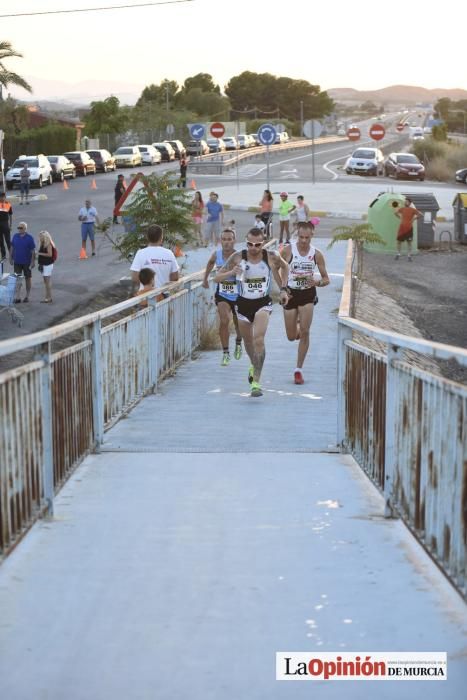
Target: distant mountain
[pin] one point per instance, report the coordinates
(396, 95)
(78, 94)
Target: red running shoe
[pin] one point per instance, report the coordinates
(298, 378)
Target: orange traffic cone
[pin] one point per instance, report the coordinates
(65, 185)
(93, 184)
(82, 254)
(193, 185)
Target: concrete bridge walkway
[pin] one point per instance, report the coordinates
(212, 531)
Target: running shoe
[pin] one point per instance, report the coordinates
(250, 374)
(298, 377)
(255, 390)
(225, 359)
(238, 350)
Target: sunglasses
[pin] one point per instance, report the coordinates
(21, 228)
(254, 245)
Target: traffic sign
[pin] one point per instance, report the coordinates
(197, 131)
(170, 130)
(353, 133)
(377, 132)
(312, 128)
(267, 134)
(217, 130)
(400, 127)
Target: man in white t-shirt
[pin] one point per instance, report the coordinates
(88, 216)
(157, 258)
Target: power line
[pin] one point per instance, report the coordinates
(96, 9)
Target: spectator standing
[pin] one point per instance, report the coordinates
(183, 169)
(23, 256)
(6, 217)
(197, 211)
(285, 209)
(407, 214)
(266, 208)
(147, 278)
(24, 182)
(215, 219)
(120, 188)
(45, 262)
(158, 258)
(88, 216)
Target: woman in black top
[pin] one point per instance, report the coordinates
(46, 263)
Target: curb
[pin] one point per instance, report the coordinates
(324, 214)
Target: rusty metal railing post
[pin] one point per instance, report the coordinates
(153, 344)
(44, 355)
(94, 334)
(344, 333)
(189, 318)
(393, 353)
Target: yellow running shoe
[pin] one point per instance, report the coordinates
(225, 359)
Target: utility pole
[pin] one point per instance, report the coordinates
(301, 117)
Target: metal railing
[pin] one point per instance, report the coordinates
(54, 409)
(407, 429)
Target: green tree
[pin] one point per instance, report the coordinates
(360, 234)
(439, 132)
(106, 117)
(159, 94)
(161, 202)
(205, 104)
(442, 108)
(13, 117)
(203, 81)
(7, 77)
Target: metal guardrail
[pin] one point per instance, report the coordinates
(407, 429)
(216, 163)
(54, 409)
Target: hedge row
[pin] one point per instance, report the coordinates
(52, 139)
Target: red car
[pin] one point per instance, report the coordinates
(82, 161)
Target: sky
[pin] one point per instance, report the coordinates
(360, 44)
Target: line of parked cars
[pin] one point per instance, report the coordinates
(46, 169)
(229, 143)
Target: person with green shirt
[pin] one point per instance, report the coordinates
(285, 209)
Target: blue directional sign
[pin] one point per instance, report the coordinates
(197, 131)
(267, 134)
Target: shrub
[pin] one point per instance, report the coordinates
(438, 169)
(50, 139)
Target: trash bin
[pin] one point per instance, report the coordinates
(383, 220)
(427, 203)
(460, 217)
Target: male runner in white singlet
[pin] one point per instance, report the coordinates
(254, 269)
(307, 271)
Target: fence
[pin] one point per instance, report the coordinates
(55, 408)
(407, 429)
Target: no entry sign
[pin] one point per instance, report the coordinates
(353, 133)
(400, 127)
(217, 130)
(377, 132)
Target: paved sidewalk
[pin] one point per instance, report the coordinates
(212, 531)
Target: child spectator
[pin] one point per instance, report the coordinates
(259, 223)
(147, 279)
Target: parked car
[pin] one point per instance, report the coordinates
(61, 167)
(82, 161)
(243, 141)
(254, 139)
(230, 143)
(149, 154)
(103, 159)
(281, 137)
(341, 131)
(178, 147)
(216, 145)
(461, 175)
(197, 148)
(127, 156)
(39, 168)
(365, 161)
(401, 165)
(166, 151)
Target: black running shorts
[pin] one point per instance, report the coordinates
(248, 308)
(301, 297)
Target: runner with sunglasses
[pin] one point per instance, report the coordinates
(254, 269)
(225, 295)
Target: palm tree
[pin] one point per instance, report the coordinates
(360, 234)
(8, 77)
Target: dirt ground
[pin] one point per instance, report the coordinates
(431, 292)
